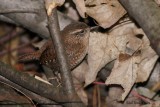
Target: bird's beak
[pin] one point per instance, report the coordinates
(94, 28)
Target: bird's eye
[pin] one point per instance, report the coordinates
(81, 32)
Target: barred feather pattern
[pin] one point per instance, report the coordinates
(30, 57)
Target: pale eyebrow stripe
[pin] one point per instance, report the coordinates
(76, 31)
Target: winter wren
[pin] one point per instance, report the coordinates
(75, 37)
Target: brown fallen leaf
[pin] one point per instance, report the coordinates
(79, 72)
(71, 12)
(123, 74)
(80, 5)
(129, 47)
(105, 12)
(158, 2)
(104, 48)
(51, 4)
(78, 80)
(135, 69)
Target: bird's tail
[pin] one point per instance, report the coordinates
(30, 57)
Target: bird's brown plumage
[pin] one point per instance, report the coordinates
(75, 37)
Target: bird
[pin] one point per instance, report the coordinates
(75, 37)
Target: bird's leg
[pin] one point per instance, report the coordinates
(58, 78)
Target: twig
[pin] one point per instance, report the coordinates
(8, 20)
(40, 100)
(5, 11)
(31, 83)
(60, 52)
(34, 22)
(67, 82)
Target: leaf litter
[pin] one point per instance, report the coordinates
(134, 58)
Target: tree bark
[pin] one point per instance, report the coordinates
(35, 22)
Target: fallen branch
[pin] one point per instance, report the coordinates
(40, 100)
(34, 85)
(34, 22)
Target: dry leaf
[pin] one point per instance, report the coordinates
(135, 69)
(51, 4)
(97, 46)
(148, 60)
(105, 12)
(71, 12)
(130, 47)
(78, 80)
(123, 74)
(157, 1)
(80, 5)
(80, 72)
(104, 48)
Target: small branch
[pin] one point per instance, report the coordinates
(8, 20)
(67, 82)
(147, 14)
(31, 83)
(6, 11)
(60, 52)
(40, 100)
(33, 22)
